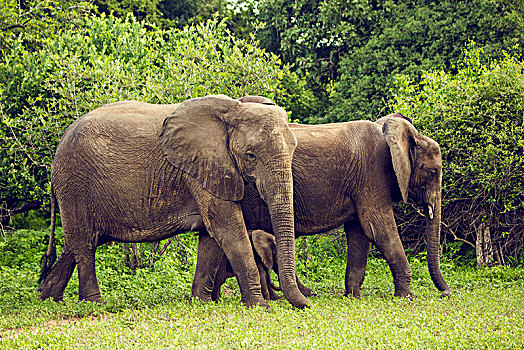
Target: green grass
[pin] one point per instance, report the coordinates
(151, 310)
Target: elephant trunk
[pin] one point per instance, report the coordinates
(279, 198)
(433, 219)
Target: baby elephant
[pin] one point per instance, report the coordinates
(265, 252)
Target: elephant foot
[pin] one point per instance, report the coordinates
(307, 292)
(201, 294)
(196, 300)
(405, 294)
(274, 296)
(49, 290)
(261, 303)
(203, 298)
(446, 293)
(95, 298)
(47, 293)
(353, 292)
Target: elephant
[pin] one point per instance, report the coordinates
(265, 252)
(136, 172)
(350, 174)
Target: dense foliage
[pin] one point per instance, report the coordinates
(107, 59)
(328, 61)
(168, 13)
(33, 21)
(476, 115)
(350, 51)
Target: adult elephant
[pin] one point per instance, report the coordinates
(137, 172)
(350, 174)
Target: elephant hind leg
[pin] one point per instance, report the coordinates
(358, 246)
(88, 288)
(211, 269)
(307, 292)
(55, 283)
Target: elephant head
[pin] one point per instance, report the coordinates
(417, 163)
(227, 142)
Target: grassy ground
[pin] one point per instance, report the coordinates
(151, 309)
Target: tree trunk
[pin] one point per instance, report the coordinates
(484, 246)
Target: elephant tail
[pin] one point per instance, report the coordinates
(49, 257)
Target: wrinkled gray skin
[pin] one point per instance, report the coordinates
(350, 174)
(265, 251)
(138, 172)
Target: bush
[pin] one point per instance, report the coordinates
(105, 60)
(476, 115)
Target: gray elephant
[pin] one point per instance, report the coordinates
(137, 172)
(265, 251)
(350, 174)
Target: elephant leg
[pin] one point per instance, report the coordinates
(88, 288)
(224, 272)
(225, 223)
(273, 295)
(379, 226)
(56, 282)
(358, 246)
(245, 269)
(264, 281)
(211, 261)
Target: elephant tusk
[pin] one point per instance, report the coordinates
(430, 212)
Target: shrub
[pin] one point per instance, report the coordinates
(350, 50)
(476, 115)
(105, 60)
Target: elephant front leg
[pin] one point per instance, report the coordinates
(225, 223)
(358, 246)
(380, 227)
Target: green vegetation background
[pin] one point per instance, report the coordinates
(454, 67)
(151, 309)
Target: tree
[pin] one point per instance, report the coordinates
(411, 38)
(350, 51)
(180, 13)
(32, 21)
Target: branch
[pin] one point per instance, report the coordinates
(449, 229)
(455, 236)
(26, 206)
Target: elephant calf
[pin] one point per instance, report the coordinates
(265, 252)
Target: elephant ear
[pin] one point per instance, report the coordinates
(256, 99)
(195, 139)
(265, 246)
(401, 138)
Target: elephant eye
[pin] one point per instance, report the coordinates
(250, 155)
